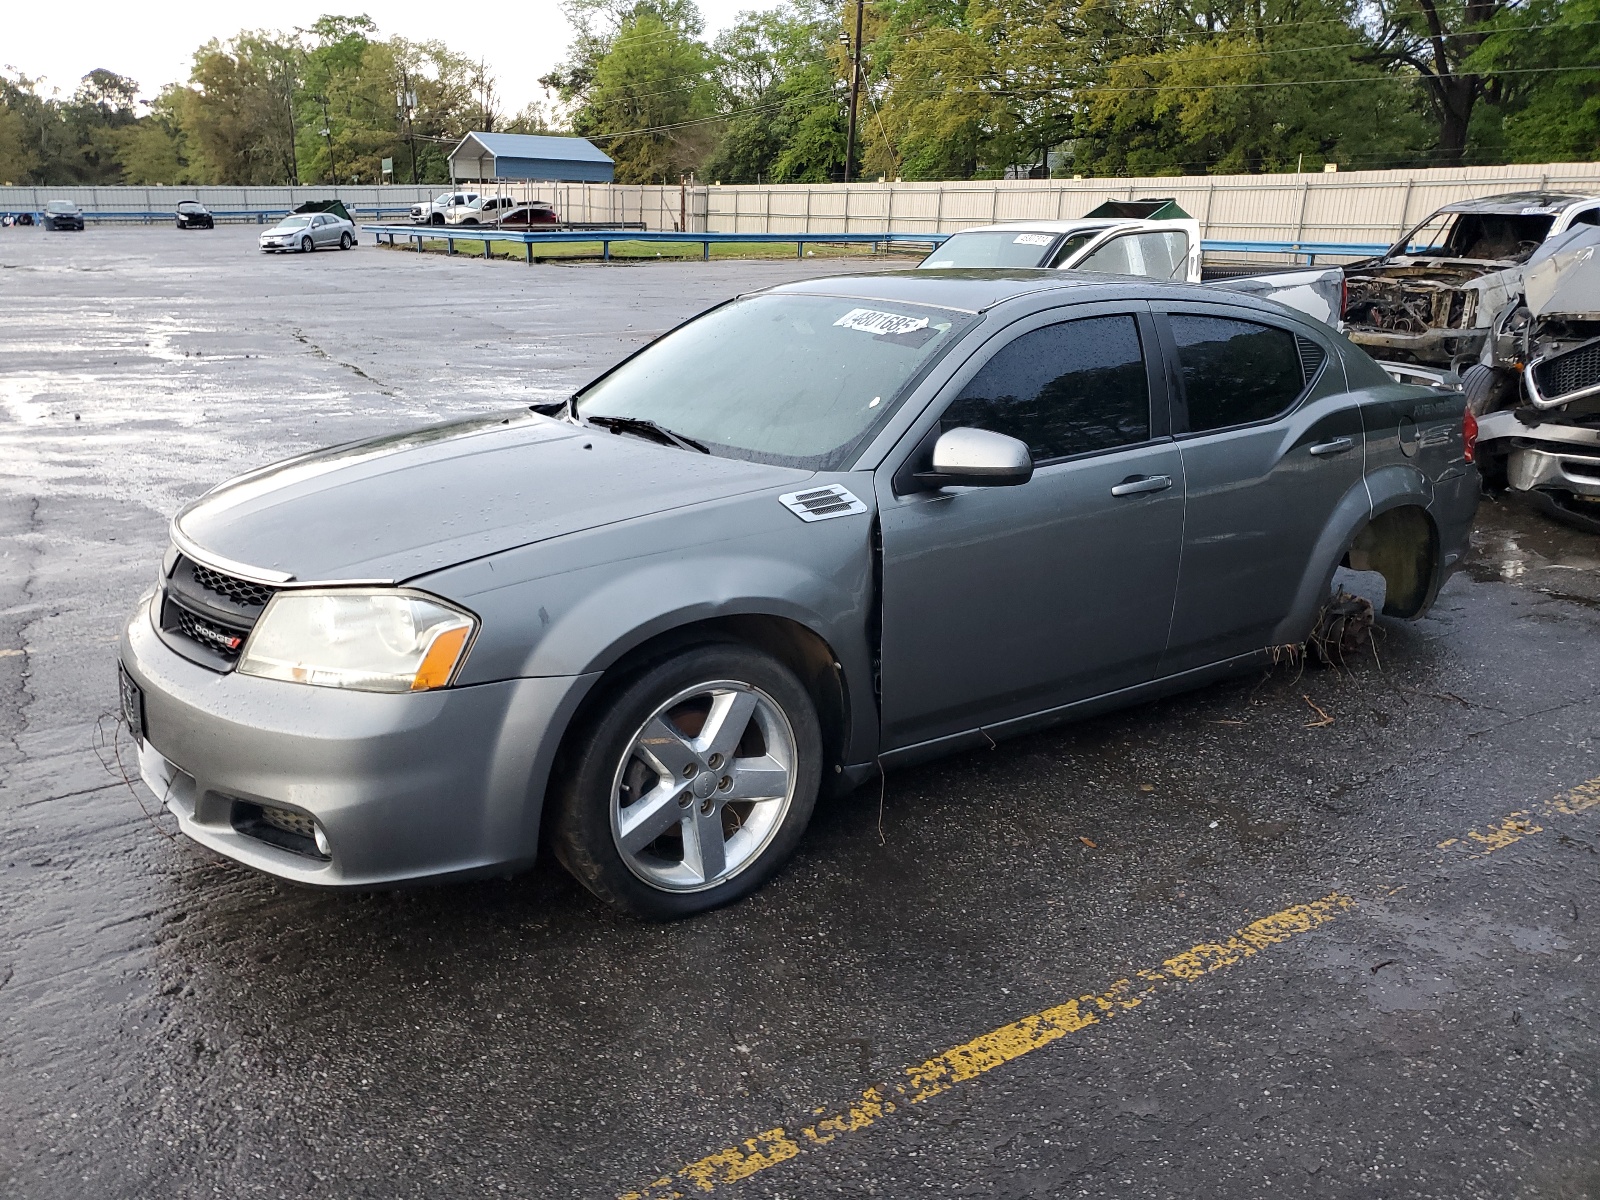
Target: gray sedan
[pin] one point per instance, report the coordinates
(309, 231)
(817, 532)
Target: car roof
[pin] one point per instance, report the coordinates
(1053, 226)
(1517, 202)
(978, 289)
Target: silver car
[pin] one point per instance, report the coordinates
(819, 531)
(309, 231)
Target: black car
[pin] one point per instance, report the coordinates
(192, 214)
(63, 214)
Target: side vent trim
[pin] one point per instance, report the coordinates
(1312, 356)
(823, 503)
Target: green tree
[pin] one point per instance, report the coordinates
(239, 110)
(648, 97)
(97, 119)
(1435, 38)
(25, 118)
(1268, 86)
(779, 84)
(155, 149)
(1537, 61)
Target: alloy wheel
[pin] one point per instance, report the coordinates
(704, 786)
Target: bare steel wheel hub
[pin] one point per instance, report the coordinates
(704, 786)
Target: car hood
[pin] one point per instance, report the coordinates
(1563, 276)
(1450, 272)
(397, 507)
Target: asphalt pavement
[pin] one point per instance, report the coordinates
(1309, 932)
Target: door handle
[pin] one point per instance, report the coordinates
(1137, 485)
(1337, 446)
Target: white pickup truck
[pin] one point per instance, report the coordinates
(1153, 239)
(434, 212)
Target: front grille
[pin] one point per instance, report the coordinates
(208, 614)
(1570, 372)
(240, 591)
(218, 638)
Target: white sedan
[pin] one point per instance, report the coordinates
(308, 232)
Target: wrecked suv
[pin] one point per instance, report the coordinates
(842, 525)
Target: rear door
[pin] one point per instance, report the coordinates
(1001, 602)
(1270, 446)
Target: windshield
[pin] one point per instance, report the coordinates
(294, 223)
(992, 248)
(188, 206)
(1482, 236)
(60, 206)
(794, 380)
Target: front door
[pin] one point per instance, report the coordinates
(1000, 602)
(1270, 447)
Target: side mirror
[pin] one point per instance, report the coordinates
(978, 458)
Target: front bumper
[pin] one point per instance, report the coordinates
(1547, 456)
(1439, 346)
(1552, 467)
(407, 787)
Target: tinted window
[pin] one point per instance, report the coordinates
(1064, 389)
(1235, 372)
(1589, 216)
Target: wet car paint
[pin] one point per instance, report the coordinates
(169, 1024)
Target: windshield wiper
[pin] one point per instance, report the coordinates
(649, 429)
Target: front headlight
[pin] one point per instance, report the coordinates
(366, 639)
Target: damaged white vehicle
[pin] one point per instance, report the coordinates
(1435, 297)
(1500, 297)
(1537, 398)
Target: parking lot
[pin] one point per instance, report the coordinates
(1308, 932)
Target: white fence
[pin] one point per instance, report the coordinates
(1354, 206)
(1346, 206)
(223, 199)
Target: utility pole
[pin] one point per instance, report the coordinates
(327, 132)
(855, 91)
(406, 99)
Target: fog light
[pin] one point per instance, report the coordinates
(322, 841)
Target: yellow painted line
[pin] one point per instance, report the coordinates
(984, 1053)
(1513, 827)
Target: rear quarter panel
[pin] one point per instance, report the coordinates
(1415, 452)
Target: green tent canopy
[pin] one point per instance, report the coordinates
(1150, 210)
(336, 207)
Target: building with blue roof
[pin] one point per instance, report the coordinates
(526, 156)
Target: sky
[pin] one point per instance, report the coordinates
(520, 41)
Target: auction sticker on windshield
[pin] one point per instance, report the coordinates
(869, 320)
(1033, 239)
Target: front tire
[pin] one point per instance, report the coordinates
(307, 245)
(1488, 390)
(690, 784)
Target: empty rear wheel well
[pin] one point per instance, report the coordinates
(1402, 545)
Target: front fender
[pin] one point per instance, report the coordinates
(574, 606)
(646, 600)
